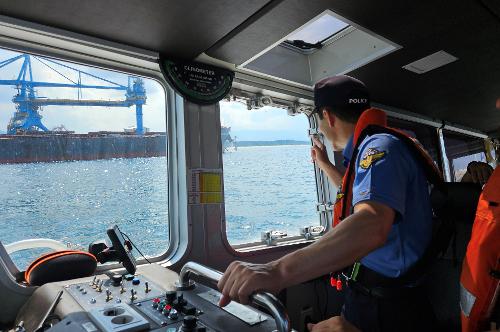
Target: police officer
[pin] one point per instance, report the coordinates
(387, 232)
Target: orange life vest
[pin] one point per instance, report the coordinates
(374, 121)
(481, 267)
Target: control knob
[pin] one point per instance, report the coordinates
(190, 324)
(116, 279)
(180, 301)
(170, 296)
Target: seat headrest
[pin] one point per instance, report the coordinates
(456, 201)
(59, 266)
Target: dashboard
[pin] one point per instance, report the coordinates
(149, 300)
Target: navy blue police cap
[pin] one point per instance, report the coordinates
(343, 92)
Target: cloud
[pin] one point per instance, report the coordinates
(267, 123)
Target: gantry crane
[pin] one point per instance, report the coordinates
(27, 116)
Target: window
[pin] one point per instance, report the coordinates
(318, 30)
(461, 150)
(81, 149)
(426, 135)
(269, 182)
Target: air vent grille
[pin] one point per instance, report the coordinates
(430, 62)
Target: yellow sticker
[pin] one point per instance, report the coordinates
(205, 186)
(371, 156)
(210, 182)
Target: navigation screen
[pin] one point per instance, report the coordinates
(123, 248)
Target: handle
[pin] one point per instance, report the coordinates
(263, 299)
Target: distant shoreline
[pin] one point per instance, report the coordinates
(270, 143)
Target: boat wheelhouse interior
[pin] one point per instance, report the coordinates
(197, 148)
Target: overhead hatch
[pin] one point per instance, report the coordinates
(325, 46)
(312, 35)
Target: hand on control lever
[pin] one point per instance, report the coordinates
(242, 279)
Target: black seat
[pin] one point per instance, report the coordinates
(457, 201)
(455, 205)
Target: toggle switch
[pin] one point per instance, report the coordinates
(108, 295)
(99, 286)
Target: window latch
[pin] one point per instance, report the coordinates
(313, 131)
(324, 207)
(271, 237)
(310, 232)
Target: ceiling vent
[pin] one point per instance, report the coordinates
(430, 62)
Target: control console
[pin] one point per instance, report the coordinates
(135, 303)
(197, 310)
(115, 289)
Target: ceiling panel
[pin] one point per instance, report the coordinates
(463, 92)
(177, 28)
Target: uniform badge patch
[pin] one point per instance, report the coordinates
(371, 156)
(340, 195)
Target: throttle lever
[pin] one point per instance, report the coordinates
(263, 299)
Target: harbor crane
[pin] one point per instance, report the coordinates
(27, 117)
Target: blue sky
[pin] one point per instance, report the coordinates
(263, 124)
(77, 118)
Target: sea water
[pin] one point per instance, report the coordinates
(266, 188)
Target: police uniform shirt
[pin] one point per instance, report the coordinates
(387, 173)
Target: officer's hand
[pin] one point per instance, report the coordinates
(334, 324)
(479, 172)
(242, 279)
(319, 154)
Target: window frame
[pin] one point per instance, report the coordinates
(256, 246)
(445, 132)
(26, 37)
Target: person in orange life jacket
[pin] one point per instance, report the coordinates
(387, 232)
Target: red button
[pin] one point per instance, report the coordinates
(168, 307)
(157, 300)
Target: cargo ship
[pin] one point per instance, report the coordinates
(68, 146)
(61, 145)
(28, 140)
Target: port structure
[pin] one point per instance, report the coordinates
(27, 117)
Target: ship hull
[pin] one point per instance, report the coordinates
(71, 147)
